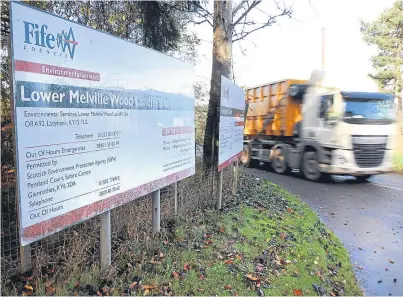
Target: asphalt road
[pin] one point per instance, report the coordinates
(367, 217)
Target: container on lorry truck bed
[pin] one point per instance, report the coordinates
(319, 129)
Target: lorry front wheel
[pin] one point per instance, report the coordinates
(310, 166)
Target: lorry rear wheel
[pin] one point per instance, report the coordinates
(246, 157)
(278, 163)
(310, 166)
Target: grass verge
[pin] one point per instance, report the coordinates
(264, 242)
(398, 163)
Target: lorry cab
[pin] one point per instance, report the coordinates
(356, 127)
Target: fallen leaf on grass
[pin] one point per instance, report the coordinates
(228, 287)
(161, 255)
(99, 293)
(146, 292)
(132, 285)
(175, 275)
(207, 242)
(283, 235)
(290, 210)
(186, 267)
(29, 287)
(298, 292)
(200, 290)
(238, 257)
(50, 290)
(284, 262)
(251, 277)
(208, 235)
(148, 287)
(222, 229)
(229, 261)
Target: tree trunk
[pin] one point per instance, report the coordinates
(399, 95)
(399, 89)
(222, 65)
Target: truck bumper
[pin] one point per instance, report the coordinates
(343, 163)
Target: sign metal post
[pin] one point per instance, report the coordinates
(156, 210)
(106, 252)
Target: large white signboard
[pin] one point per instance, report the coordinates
(99, 121)
(231, 123)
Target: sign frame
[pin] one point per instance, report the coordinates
(153, 186)
(232, 109)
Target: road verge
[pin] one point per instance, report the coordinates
(264, 241)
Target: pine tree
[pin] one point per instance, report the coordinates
(386, 32)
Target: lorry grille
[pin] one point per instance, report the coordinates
(369, 153)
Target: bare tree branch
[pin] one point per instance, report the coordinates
(241, 5)
(201, 22)
(202, 12)
(270, 21)
(243, 15)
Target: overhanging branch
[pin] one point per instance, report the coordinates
(272, 19)
(243, 15)
(241, 5)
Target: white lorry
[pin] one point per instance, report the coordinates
(319, 129)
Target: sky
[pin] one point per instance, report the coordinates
(292, 47)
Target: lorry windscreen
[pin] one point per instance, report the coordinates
(368, 111)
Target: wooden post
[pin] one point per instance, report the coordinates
(106, 252)
(156, 211)
(25, 254)
(176, 197)
(220, 176)
(236, 173)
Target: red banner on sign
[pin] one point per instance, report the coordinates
(55, 70)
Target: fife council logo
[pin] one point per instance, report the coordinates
(37, 39)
